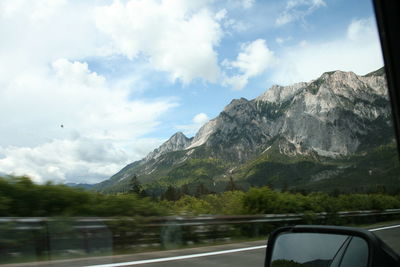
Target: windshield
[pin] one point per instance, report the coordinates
(140, 130)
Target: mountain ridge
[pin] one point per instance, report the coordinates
(330, 117)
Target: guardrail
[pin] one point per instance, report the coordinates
(47, 238)
(265, 218)
(204, 219)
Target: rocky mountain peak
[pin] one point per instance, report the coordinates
(175, 143)
(203, 134)
(377, 81)
(178, 137)
(341, 81)
(279, 94)
(236, 105)
(338, 74)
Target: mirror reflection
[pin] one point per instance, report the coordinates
(319, 250)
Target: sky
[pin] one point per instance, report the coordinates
(87, 87)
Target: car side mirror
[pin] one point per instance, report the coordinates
(327, 246)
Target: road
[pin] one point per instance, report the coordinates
(239, 254)
(251, 253)
(254, 257)
(390, 235)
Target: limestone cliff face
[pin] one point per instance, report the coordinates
(329, 116)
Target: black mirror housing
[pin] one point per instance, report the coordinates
(378, 253)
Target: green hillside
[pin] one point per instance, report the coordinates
(367, 170)
(377, 168)
(370, 170)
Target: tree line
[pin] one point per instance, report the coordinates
(19, 196)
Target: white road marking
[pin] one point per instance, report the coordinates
(384, 228)
(204, 254)
(179, 257)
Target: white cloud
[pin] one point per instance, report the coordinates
(230, 23)
(235, 25)
(221, 14)
(282, 40)
(62, 160)
(360, 29)
(35, 33)
(72, 160)
(39, 9)
(192, 128)
(102, 128)
(76, 73)
(247, 3)
(303, 43)
(298, 10)
(357, 50)
(44, 83)
(177, 36)
(236, 82)
(201, 118)
(253, 59)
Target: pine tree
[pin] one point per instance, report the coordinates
(201, 190)
(285, 187)
(134, 186)
(185, 190)
(231, 186)
(172, 194)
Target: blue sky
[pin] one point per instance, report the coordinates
(123, 76)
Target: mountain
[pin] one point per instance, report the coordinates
(83, 186)
(175, 143)
(288, 136)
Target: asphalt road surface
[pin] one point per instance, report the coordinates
(390, 235)
(252, 257)
(239, 254)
